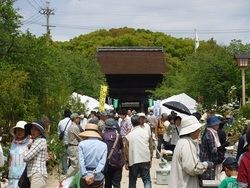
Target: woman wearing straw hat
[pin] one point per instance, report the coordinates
(186, 166)
(18, 145)
(35, 154)
(92, 157)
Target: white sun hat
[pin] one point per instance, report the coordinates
(189, 124)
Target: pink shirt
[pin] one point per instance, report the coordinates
(125, 127)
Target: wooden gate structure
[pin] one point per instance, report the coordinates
(130, 72)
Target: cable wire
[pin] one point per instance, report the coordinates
(32, 5)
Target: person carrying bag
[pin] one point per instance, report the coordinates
(61, 136)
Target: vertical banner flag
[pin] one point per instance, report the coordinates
(150, 102)
(115, 103)
(196, 40)
(110, 101)
(103, 94)
(157, 109)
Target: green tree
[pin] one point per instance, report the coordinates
(12, 94)
(210, 74)
(9, 24)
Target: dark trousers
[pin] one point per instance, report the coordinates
(113, 177)
(144, 170)
(159, 145)
(65, 160)
(96, 184)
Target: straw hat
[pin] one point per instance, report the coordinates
(189, 124)
(91, 131)
(19, 124)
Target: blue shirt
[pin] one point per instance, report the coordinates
(92, 156)
(17, 163)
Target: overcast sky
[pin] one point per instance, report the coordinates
(222, 20)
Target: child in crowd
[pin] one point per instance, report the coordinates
(230, 166)
(18, 145)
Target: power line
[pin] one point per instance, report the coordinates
(43, 3)
(184, 32)
(32, 5)
(32, 19)
(36, 3)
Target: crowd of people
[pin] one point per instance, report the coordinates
(97, 148)
(124, 139)
(201, 156)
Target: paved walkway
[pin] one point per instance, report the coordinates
(53, 181)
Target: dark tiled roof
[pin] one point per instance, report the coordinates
(242, 56)
(132, 60)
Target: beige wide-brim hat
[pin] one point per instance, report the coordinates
(189, 124)
(91, 131)
(141, 114)
(19, 124)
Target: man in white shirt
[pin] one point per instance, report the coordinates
(142, 122)
(138, 153)
(64, 125)
(152, 121)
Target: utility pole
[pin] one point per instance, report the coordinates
(47, 12)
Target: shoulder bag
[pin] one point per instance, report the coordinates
(105, 169)
(24, 181)
(61, 136)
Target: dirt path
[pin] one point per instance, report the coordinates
(53, 180)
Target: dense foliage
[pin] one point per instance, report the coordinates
(209, 73)
(36, 79)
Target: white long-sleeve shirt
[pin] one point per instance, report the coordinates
(186, 166)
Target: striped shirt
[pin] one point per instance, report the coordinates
(125, 127)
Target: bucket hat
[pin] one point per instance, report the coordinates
(94, 120)
(74, 116)
(19, 124)
(39, 124)
(212, 120)
(189, 124)
(141, 114)
(104, 114)
(91, 131)
(110, 123)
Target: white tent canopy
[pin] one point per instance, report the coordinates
(183, 98)
(91, 104)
